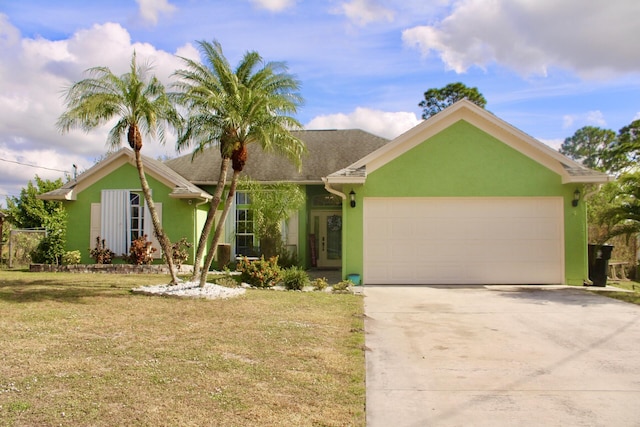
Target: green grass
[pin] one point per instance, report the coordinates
(82, 350)
(632, 297)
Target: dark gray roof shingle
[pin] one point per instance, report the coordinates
(328, 151)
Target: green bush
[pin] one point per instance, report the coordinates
(71, 258)
(343, 287)
(50, 250)
(295, 278)
(227, 282)
(287, 258)
(260, 273)
(320, 284)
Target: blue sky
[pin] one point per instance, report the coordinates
(547, 67)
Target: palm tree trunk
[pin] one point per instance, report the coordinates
(165, 244)
(208, 225)
(219, 227)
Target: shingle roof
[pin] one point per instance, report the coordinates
(328, 151)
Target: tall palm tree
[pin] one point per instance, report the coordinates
(140, 103)
(230, 109)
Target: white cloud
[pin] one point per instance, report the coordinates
(9, 35)
(381, 123)
(18, 167)
(596, 118)
(363, 12)
(637, 116)
(274, 5)
(590, 118)
(150, 10)
(532, 36)
(35, 72)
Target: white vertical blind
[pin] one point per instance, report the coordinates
(116, 216)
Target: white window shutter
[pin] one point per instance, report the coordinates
(148, 228)
(94, 227)
(115, 215)
(290, 229)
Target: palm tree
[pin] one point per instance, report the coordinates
(141, 105)
(623, 216)
(229, 109)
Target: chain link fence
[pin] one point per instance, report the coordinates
(21, 243)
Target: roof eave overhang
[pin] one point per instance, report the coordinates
(182, 196)
(567, 179)
(354, 180)
(68, 195)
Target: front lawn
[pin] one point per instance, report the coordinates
(632, 297)
(78, 349)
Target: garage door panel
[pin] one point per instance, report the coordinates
(463, 240)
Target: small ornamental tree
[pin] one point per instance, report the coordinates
(272, 205)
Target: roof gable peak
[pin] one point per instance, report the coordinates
(568, 169)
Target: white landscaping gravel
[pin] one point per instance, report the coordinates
(191, 290)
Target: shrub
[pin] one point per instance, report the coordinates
(320, 284)
(180, 251)
(227, 282)
(260, 273)
(295, 278)
(50, 250)
(343, 287)
(287, 258)
(101, 254)
(140, 252)
(71, 258)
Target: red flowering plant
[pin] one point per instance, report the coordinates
(260, 273)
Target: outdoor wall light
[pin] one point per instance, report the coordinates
(576, 198)
(352, 198)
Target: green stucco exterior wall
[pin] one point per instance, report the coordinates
(464, 161)
(178, 216)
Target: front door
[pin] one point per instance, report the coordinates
(327, 227)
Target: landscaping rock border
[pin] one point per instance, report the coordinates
(109, 268)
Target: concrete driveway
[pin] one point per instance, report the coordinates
(500, 356)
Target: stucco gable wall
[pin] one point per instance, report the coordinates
(463, 161)
(177, 217)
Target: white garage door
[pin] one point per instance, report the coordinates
(463, 240)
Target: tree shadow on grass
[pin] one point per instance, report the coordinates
(36, 291)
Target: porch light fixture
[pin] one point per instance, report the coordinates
(352, 198)
(576, 198)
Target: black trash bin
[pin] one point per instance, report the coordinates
(599, 256)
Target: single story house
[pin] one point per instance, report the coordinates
(462, 198)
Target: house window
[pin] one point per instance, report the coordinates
(137, 216)
(245, 239)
